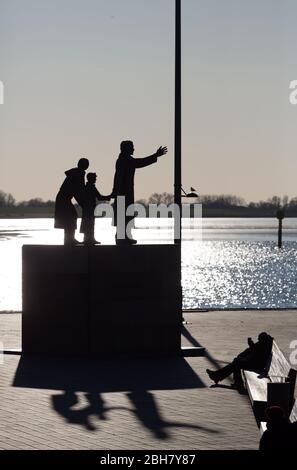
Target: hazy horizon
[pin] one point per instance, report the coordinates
(82, 75)
(226, 195)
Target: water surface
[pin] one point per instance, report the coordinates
(230, 263)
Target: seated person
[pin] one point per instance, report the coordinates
(254, 358)
(91, 196)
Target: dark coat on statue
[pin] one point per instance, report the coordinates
(72, 187)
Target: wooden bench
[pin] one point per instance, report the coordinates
(278, 370)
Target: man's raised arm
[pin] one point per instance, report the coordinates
(146, 161)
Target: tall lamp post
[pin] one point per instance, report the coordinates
(178, 140)
(178, 146)
(177, 126)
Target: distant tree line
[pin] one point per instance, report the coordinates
(229, 205)
(7, 200)
(225, 200)
(213, 205)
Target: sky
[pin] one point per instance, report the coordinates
(80, 76)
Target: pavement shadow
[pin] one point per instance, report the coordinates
(147, 412)
(193, 341)
(144, 407)
(64, 404)
(137, 378)
(87, 375)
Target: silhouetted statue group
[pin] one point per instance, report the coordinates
(87, 196)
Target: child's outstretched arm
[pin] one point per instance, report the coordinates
(100, 197)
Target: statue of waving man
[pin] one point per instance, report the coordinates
(124, 187)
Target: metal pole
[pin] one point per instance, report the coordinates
(280, 214)
(177, 130)
(280, 233)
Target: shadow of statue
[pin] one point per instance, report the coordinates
(65, 402)
(147, 412)
(89, 379)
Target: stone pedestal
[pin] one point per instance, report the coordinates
(102, 300)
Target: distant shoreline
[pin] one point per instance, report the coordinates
(37, 213)
(199, 310)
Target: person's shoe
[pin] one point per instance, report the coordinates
(91, 242)
(73, 243)
(120, 241)
(126, 241)
(212, 375)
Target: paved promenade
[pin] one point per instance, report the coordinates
(136, 404)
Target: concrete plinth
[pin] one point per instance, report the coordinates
(102, 300)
